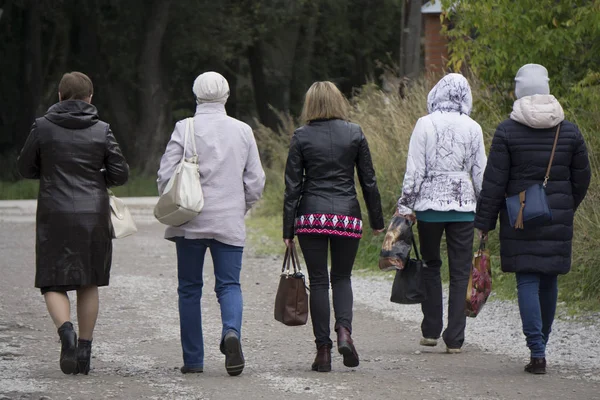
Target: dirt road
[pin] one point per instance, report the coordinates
(137, 352)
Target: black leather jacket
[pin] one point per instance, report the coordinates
(319, 175)
(76, 157)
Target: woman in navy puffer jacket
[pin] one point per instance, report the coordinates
(518, 159)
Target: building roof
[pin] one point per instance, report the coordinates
(432, 7)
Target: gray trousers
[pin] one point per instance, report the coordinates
(459, 242)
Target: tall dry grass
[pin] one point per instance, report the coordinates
(387, 121)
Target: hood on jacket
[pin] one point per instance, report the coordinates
(72, 114)
(451, 94)
(539, 111)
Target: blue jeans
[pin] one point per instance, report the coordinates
(227, 262)
(538, 294)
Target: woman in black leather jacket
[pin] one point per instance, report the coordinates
(321, 207)
(76, 157)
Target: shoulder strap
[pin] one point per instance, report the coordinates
(192, 135)
(552, 156)
(188, 135)
(186, 128)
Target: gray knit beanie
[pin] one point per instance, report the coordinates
(531, 79)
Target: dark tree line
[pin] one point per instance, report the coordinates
(143, 56)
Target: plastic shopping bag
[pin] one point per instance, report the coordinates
(396, 244)
(480, 282)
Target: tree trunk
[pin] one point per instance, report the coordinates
(231, 72)
(274, 58)
(261, 98)
(32, 70)
(302, 72)
(410, 43)
(153, 99)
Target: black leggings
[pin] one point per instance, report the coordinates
(343, 252)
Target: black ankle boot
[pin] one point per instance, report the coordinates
(68, 348)
(536, 366)
(84, 355)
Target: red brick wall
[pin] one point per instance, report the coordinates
(436, 46)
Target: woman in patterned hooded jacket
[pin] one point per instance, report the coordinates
(444, 172)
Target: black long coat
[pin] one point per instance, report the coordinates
(319, 174)
(76, 157)
(518, 159)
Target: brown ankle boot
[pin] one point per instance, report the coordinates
(346, 347)
(323, 359)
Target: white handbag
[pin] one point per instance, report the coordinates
(121, 221)
(182, 200)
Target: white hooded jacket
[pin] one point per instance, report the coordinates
(446, 157)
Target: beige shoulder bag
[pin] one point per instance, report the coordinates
(121, 221)
(182, 199)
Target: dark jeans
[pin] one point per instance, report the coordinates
(459, 242)
(537, 304)
(227, 262)
(343, 252)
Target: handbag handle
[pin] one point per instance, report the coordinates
(286, 261)
(414, 242)
(291, 257)
(189, 131)
(551, 157)
(295, 258)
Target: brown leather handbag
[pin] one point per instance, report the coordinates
(291, 301)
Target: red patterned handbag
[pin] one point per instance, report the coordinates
(480, 282)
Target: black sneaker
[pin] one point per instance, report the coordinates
(536, 366)
(191, 370)
(234, 358)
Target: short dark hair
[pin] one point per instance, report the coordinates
(75, 86)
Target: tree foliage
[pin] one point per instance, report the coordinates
(143, 56)
(496, 37)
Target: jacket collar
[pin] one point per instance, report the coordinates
(210, 108)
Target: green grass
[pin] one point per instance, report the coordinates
(25, 189)
(264, 235)
(137, 186)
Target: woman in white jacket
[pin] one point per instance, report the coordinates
(444, 172)
(232, 180)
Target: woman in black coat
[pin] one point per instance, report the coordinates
(76, 157)
(321, 207)
(519, 156)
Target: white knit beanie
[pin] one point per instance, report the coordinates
(531, 79)
(211, 87)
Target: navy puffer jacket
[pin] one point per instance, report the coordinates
(518, 159)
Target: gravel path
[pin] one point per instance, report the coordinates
(137, 351)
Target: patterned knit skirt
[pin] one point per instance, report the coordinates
(329, 224)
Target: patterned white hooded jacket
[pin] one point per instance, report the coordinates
(446, 157)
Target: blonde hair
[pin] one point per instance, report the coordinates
(324, 101)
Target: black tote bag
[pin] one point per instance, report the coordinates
(409, 285)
